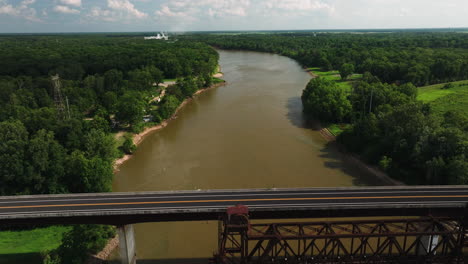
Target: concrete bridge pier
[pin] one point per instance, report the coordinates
(127, 244)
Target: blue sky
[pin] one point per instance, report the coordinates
(189, 15)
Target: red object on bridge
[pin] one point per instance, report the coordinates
(238, 210)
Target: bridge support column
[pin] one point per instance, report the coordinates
(127, 244)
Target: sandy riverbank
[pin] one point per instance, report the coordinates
(138, 138)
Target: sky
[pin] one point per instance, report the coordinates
(37, 16)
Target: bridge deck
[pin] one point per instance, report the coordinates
(125, 208)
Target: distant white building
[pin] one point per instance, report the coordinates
(160, 36)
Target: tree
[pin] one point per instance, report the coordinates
(346, 70)
(46, 168)
(168, 106)
(324, 100)
(82, 241)
(140, 79)
(100, 123)
(128, 147)
(109, 101)
(13, 142)
(113, 80)
(130, 109)
(88, 175)
(188, 86)
(99, 144)
(156, 74)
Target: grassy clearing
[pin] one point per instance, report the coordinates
(443, 100)
(26, 246)
(217, 80)
(335, 76)
(337, 129)
(32, 241)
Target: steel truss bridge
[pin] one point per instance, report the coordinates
(415, 224)
(398, 240)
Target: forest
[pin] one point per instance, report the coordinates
(65, 142)
(386, 124)
(419, 58)
(62, 141)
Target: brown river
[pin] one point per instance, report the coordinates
(249, 133)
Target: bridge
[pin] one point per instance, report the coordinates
(124, 209)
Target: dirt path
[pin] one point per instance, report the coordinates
(160, 97)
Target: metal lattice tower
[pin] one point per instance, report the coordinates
(63, 112)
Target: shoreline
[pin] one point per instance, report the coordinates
(352, 157)
(138, 138)
(113, 243)
(356, 160)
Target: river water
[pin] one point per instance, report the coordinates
(249, 133)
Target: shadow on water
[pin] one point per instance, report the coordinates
(335, 157)
(339, 159)
(296, 116)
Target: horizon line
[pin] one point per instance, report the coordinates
(240, 30)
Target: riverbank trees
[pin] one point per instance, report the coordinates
(107, 84)
(388, 126)
(419, 58)
(323, 99)
(393, 130)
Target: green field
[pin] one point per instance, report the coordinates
(26, 246)
(170, 80)
(337, 129)
(443, 100)
(335, 76)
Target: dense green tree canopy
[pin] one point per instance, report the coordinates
(106, 84)
(323, 100)
(419, 58)
(346, 70)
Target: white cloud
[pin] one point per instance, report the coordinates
(66, 10)
(23, 10)
(76, 3)
(117, 10)
(184, 15)
(295, 7)
(126, 6)
(179, 13)
(100, 14)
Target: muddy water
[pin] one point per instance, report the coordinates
(249, 133)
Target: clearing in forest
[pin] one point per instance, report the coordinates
(446, 97)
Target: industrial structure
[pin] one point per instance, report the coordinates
(159, 36)
(62, 107)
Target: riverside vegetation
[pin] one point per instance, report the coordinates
(412, 140)
(109, 83)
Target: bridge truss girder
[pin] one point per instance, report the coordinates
(422, 240)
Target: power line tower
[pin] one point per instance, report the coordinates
(63, 112)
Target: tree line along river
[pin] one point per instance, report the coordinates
(249, 133)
